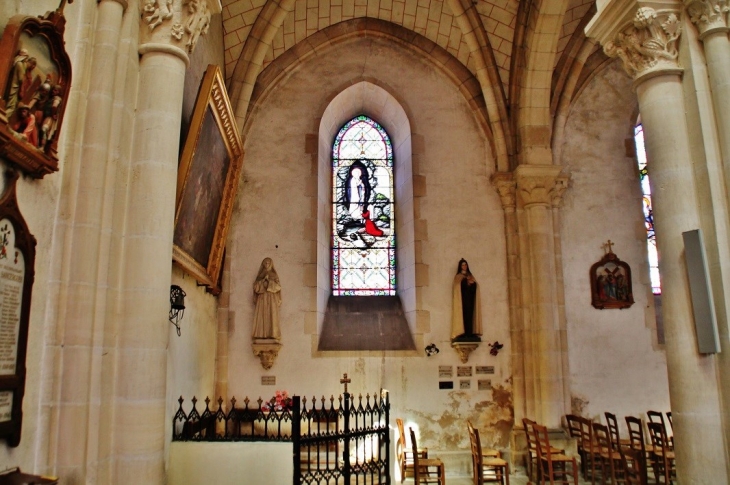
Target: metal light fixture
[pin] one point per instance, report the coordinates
(177, 306)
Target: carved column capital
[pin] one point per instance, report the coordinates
(561, 185)
(709, 16)
(539, 184)
(506, 188)
(174, 26)
(648, 46)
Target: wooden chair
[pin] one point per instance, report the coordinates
(404, 454)
(487, 465)
(591, 451)
(613, 432)
(641, 451)
(531, 457)
(553, 467)
(574, 430)
(662, 455)
(426, 470)
(611, 459)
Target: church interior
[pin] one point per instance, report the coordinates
(574, 153)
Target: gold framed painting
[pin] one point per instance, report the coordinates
(208, 174)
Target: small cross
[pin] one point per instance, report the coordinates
(609, 244)
(345, 380)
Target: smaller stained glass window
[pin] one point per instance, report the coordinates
(363, 235)
(656, 286)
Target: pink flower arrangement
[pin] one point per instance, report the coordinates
(279, 402)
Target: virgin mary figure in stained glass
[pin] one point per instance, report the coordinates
(363, 239)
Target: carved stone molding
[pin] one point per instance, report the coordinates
(464, 349)
(506, 188)
(561, 185)
(708, 15)
(177, 23)
(539, 184)
(267, 350)
(648, 46)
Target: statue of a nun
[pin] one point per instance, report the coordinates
(466, 319)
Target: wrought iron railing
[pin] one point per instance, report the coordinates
(343, 440)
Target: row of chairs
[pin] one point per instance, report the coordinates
(487, 464)
(545, 463)
(622, 461)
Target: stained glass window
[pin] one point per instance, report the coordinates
(656, 286)
(363, 229)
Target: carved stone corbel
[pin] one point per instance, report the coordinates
(464, 349)
(267, 350)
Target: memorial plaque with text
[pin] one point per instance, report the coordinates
(17, 259)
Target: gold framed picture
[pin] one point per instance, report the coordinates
(207, 181)
(35, 82)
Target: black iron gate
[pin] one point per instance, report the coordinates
(347, 443)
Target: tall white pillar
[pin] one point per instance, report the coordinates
(140, 405)
(710, 17)
(74, 438)
(624, 28)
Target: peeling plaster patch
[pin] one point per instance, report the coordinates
(578, 404)
(493, 417)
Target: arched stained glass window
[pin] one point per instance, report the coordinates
(656, 286)
(363, 229)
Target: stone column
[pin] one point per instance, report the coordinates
(505, 185)
(710, 17)
(83, 309)
(536, 188)
(167, 33)
(693, 384)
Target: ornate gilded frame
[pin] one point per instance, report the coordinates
(208, 175)
(611, 283)
(42, 38)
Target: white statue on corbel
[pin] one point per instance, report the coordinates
(265, 331)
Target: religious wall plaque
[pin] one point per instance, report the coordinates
(465, 384)
(35, 82)
(611, 282)
(17, 257)
(268, 380)
(446, 371)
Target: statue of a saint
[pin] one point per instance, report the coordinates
(466, 319)
(267, 297)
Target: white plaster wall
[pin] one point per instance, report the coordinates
(230, 463)
(616, 364)
(38, 202)
(464, 218)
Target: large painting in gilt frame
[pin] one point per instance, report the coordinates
(208, 174)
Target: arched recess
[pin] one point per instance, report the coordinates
(366, 97)
(469, 86)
